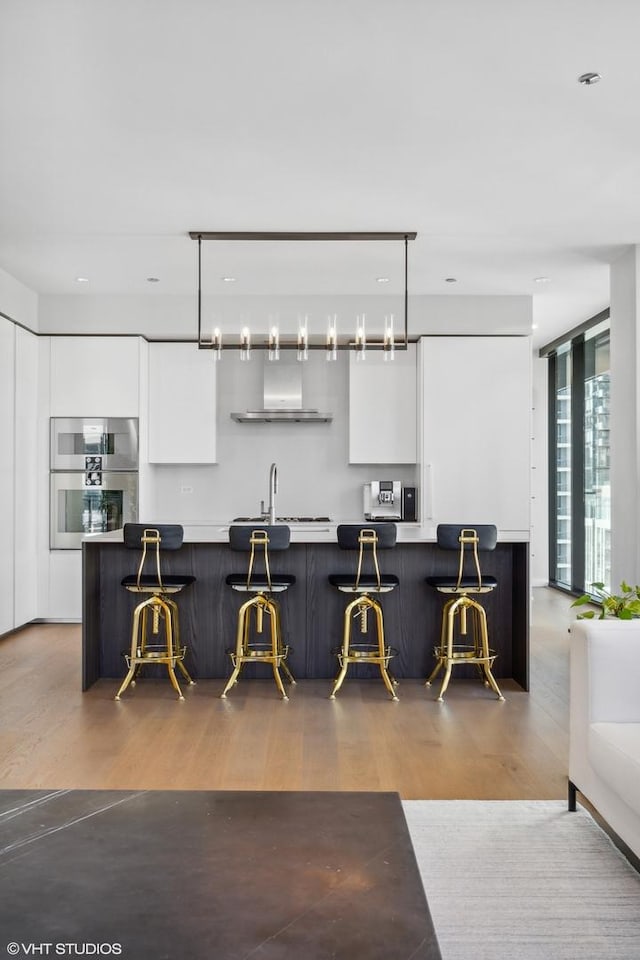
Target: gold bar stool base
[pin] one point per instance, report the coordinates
(250, 649)
(353, 652)
(164, 613)
(451, 653)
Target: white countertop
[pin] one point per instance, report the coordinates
(316, 532)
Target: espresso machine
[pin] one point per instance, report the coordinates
(383, 500)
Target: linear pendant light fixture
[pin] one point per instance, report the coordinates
(272, 342)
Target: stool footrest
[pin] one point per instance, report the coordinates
(366, 652)
(255, 652)
(467, 653)
(156, 655)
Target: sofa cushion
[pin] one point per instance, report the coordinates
(614, 753)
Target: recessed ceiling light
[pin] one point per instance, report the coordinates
(153, 279)
(587, 79)
(542, 279)
(229, 279)
(450, 279)
(534, 326)
(382, 279)
(82, 279)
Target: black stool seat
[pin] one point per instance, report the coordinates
(367, 583)
(470, 584)
(170, 582)
(260, 582)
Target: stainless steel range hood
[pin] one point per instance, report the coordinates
(282, 397)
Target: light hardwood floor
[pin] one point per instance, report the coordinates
(470, 747)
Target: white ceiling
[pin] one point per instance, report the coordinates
(127, 123)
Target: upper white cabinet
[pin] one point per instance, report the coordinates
(182, 404)
(95, 376)
(476, 430)
(382, 408)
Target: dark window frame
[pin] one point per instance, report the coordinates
(577, 351)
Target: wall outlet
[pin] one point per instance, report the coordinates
(186, 489)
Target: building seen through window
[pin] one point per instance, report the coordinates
(580, 488)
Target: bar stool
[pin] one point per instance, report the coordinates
(253, 645)
(155, 645)
(367, 539)
(464, 647)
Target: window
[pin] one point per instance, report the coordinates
(579, 481)
(597, 488)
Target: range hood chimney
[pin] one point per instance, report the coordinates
(282, 398)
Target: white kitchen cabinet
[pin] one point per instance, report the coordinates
(182, 404)
(26, 467)
(64, 597)
(382, 408)
(475, 404)
(7, 476)
(95, 376)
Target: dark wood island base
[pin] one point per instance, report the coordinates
(312, 610)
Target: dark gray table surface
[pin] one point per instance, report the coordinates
(210, 874)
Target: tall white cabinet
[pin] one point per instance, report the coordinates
(7, 477)
(18, 476)
(27, 477)
(475, 431)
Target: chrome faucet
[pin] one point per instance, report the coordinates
(270, 512)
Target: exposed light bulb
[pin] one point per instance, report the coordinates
(388, 343)
(303, 339)
(245, 344)
(361, 338)
(216, 341)
(274, 343)
(332, 338)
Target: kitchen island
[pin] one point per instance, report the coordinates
(312, 610)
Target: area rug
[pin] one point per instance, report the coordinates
(524, 879)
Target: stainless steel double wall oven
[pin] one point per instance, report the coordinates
(94, 477)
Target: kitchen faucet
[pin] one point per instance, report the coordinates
(270, 512)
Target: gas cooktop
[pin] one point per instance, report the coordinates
(282, 520)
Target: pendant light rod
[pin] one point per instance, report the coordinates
(405, 345)
(199, 290)
(288, 235)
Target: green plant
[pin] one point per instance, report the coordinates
(624, 606)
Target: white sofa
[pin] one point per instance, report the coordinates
(604, 722)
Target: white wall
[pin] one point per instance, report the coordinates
(624, 421)
(315, 478)
(157, 316)
(18, 302)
